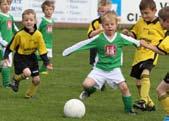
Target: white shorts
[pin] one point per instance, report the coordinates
(112, 78)
(50, 54)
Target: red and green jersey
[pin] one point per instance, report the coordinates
(109, 52)
(46, 28)
(7, 27)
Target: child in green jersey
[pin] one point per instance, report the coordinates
(148, 28)
(163, 48)
(7, 29)
(46, 28)
(109, 46)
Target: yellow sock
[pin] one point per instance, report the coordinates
(31, 90)
(19, 77)
(150, 102)
(145, 87)
(164, 100)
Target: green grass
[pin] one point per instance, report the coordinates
(64, 83)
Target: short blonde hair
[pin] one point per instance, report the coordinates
(28, 11)
(110, 15)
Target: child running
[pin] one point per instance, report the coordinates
(24, 45)
(109, 46)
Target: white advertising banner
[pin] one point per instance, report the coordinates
(69, 11)
(82, 11)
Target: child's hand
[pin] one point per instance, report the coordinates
(49, 66)
(143, 43)
(126, 32)
(6, 62)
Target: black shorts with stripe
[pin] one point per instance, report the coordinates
(137, 69)
(26, 61)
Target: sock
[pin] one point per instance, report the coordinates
(127, 100)
(145, 88)
(139, 89)
(150, 102)
(31, 90)
(164, 101)
(43, 68)
(5, 76)
(90, 90)
(19, 77)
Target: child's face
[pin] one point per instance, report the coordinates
(29, 21)
(165, 24)
(109, 26)
(5, 7)
(148, 14)
(48, 11)
(102, 10)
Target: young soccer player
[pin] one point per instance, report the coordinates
(109, 46)
(148, 28)
(7, 29)
(95, 26)
(163, 48)
(24, 44)
(46, 28)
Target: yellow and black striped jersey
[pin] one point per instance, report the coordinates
(152, 32)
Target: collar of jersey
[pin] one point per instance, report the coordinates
(110, 40)
(7, 15)
(31, 33)
(48, 20)
(153, 22)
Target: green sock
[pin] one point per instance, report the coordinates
(5, 76)
(90, 90)
(127, 100)
(43, 68)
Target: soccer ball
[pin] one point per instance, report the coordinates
(74, 108)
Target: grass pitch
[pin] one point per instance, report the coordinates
(64, 83)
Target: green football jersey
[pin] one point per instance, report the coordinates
(7, 27)
(46, 28)
(109, 52)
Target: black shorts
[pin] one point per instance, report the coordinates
(137, 69)
(26, 61)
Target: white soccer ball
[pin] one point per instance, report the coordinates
(74, 108)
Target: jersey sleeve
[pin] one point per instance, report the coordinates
(41, 48)
(14, 43)
(83, 45)
(164, 45)
(129, 40)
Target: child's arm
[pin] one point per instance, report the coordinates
(151, 47)
(83, 45)
(3, 43)
(95, 32)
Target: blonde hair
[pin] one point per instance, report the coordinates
(110, 15)
(27, 12)
(104, 3)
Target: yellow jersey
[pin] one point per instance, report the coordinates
(164, 44)
(94, 25)
(25, 43)
(151, 32)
